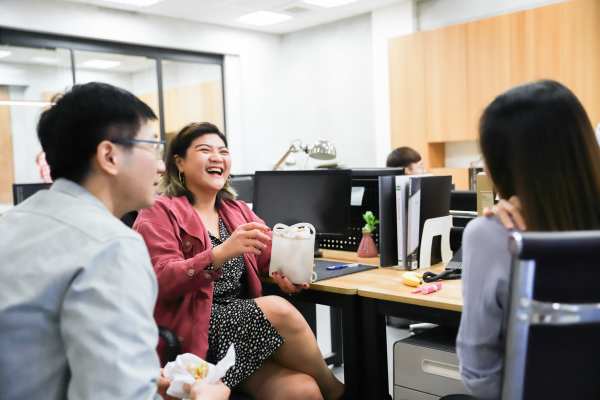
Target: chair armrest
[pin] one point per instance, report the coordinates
(173, 347)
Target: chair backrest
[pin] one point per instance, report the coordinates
(553, 327)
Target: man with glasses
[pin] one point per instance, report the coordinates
(77, 290)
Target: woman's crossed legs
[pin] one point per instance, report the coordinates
(297, 369)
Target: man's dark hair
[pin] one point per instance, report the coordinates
(86, 115)
(402, 157)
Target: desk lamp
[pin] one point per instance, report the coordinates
(321, 150)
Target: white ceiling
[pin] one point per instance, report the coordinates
(226, 12)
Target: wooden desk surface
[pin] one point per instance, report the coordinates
(346, 284)
(386, 284)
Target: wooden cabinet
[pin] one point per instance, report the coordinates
(488, 66)
(467, 65)
(407, 116)
(446, 83)
(560, 42)
(6, 150)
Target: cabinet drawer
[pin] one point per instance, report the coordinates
(426, 367)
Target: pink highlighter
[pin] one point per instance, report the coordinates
(430, 288)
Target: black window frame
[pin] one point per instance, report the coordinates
(23, 38)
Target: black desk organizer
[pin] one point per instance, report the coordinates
(349, 240)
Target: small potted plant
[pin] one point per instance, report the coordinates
(367, 246)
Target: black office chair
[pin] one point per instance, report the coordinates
(553, 332)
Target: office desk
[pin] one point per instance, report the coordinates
(382, 293)
(341, 294)
(364, 299)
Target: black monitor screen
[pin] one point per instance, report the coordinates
(244, 186)
(21, 191)
(321, 198)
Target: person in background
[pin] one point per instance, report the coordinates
(77, 289)
(208, 251)
(407, 158)
(43, 168)
(539, 150)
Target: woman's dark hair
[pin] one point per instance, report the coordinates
(402, 157)
(71, 129)
(538, 143)
(173, 183)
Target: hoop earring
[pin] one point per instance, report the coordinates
(181, 178)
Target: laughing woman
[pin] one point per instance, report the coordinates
(208, 250)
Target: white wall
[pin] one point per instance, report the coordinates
(386, 23)
(325, 88)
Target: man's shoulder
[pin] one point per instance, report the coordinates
(66, 213)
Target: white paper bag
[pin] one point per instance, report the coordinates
(293, 252)
(181, 371)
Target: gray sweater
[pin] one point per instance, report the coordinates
(486, 273)
(77, 293)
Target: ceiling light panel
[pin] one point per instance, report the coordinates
(135, 3)
(100, 64)
(4, 53)
(329, 3)
(263, 18)
(45, 60)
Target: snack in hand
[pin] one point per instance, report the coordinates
(198, 371)
(189, 368)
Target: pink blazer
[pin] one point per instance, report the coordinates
(180, 250)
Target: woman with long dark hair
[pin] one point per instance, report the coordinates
(540, 151)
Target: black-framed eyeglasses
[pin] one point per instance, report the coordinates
(158, 146)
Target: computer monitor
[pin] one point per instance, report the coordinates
(21, 191)
(463, 200)
(244, 186)
(320, 197)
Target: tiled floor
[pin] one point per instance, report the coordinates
(323, 337)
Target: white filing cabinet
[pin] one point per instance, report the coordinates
(426, 366)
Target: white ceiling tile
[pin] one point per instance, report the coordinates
(227, 12)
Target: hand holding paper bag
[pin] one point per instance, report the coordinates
(292, 252)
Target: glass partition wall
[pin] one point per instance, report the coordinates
(180, 86)
(192, 92)
(29, 80)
